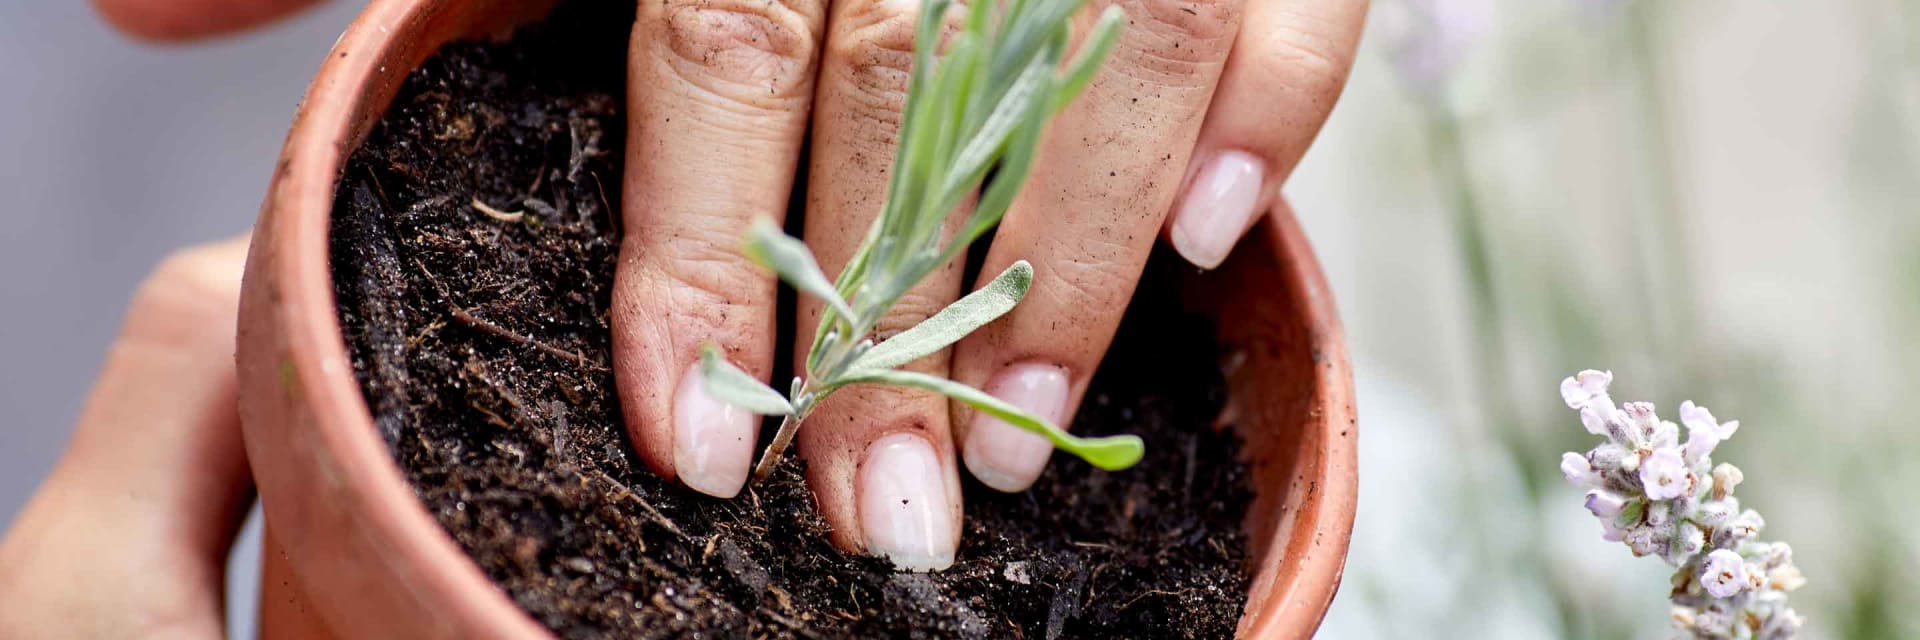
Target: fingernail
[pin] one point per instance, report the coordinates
(712, 440)
(1007, 457)
(903, 504)
(1217, 207)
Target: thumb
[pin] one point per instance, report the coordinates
(128, 536)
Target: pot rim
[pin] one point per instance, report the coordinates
(1317, 532)
(322, 375)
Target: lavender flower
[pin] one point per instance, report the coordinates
(1725, 574)
(1605, 504)
(1662, 498)
(1664, 475)
(1579, 471)
(1703, 432)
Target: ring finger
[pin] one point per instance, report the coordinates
(1108, 170)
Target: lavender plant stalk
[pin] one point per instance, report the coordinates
(1664, 498)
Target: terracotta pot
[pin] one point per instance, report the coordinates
(351, 553)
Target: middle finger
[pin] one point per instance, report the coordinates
(879, 459)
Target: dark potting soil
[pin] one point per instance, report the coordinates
(481, 340)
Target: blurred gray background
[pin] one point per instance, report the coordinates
(1715, 199)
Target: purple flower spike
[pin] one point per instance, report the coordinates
(1657, 497)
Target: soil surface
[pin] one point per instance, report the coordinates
(474, 238)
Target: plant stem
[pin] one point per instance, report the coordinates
(1449, 161)
(803, 404)
(778, 448)
(834, 359)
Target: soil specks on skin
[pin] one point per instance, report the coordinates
(482, 345)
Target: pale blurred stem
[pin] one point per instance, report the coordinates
(1661, 234)
(1453, 174)
(1447, 149)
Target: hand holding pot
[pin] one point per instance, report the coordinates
(1203, 110)
(128, 536)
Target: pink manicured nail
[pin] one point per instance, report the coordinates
(1217, 207)
(903, 504)
(712, 440)
(1007, 457)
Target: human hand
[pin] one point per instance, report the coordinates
(1197, 118)
(1201, 113)
(128, 536)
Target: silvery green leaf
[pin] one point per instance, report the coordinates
(1093, 52)
(788, 257)
(735, 387)
(824, 342)
(976, 156)
(1112, 453)
(1015, 166)
(952, 323)
(1031, 28)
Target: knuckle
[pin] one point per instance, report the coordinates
(1201, 20)
(744, 49)
(1308, 67)
(193, 291)
(1178, 38)
(912, 309)
(205, 267)
(1088, 284)
(705, 283)
(875, 56)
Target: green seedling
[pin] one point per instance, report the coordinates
(980, 108)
